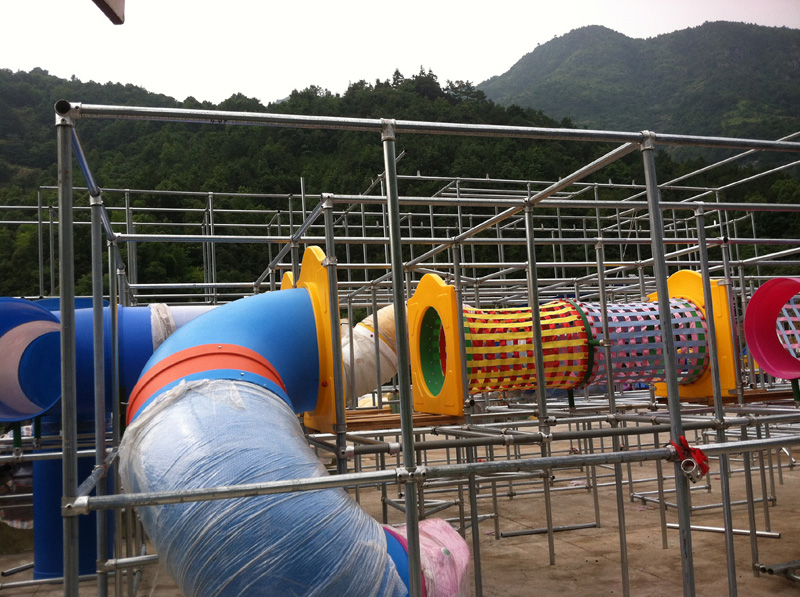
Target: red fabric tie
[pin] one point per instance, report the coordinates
(685, 451)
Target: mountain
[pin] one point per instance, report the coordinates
(721, 78)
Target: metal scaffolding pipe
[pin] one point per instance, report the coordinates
(68, 383)
(403, 359)
(80, 110)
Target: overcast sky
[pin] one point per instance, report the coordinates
(212, 49)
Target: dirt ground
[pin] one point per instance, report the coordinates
(587, 560)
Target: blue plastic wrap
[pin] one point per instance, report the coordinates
(218, 432)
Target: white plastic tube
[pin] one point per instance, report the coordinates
(365, 358)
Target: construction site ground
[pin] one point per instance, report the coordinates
(587, 560)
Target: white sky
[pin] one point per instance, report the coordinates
(265, 49)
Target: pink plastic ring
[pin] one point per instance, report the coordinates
(760, 324)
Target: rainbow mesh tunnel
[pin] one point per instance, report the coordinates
(500, 350)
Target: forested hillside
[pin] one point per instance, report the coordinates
(725, 79)
(194, 157)
(179, 156)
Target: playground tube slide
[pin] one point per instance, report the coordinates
(217, 405)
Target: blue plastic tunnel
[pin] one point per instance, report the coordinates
(30, 370)
(30, 387)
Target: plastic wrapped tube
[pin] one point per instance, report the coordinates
(444, 557)
(365, 357)
(219, 432)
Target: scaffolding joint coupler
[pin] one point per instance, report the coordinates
(719, 424)
(388, 129)
(75, 506)
(673, 453)
(419, 474)
(648, 140)
(327, 200)
(401, 474)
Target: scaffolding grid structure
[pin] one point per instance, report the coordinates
(501, 244)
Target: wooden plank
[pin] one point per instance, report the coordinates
(369, 420)
(756, 395)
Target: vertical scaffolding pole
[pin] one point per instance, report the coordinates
(737, 366)
(403, 353)
(670, 366)
(52, 231)
(377, 341)
(66, 270)
(130, 228)
(212, 249)
(113, 300)
(98, 340)
(541, 389)
(719, 409)
(612, 409)
(40, 240)
(336, 336)
(470, 453)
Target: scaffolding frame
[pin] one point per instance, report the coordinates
(506, 214)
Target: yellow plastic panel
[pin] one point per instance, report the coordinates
(688, 285)
(433, 312)
(314, 278)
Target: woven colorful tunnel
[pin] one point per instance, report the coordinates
(500, 350)
(635, 337)
(499, 345)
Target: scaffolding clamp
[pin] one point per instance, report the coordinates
(327, 200)
(648, 140)
(388, 129)
(694, 462)
(75, 506)
(402, 474)
(419, 474)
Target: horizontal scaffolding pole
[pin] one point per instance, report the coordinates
(85, 504)
(376, 125)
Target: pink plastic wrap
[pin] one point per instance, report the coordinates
(444, 558)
